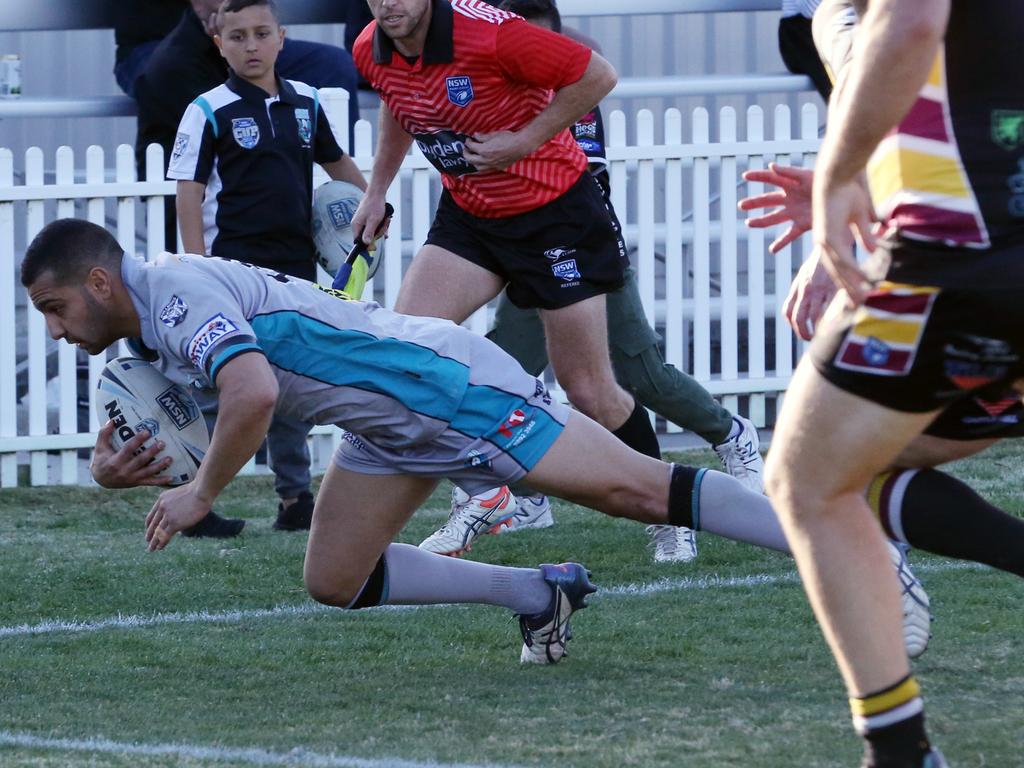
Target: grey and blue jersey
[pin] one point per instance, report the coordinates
(404, 386)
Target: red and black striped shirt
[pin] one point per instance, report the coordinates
(482, 70)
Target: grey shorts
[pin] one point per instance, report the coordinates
(505, 424)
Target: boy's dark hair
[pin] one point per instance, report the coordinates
(535, 9)
(68, 249)
(234, 6)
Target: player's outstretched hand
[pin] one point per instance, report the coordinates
(174, 510)
(809, 295)
(131, 466)
(792, 201)
(495, 151)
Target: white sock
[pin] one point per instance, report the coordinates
(418, 577)
(730, 510)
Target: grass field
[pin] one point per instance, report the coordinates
(210, 654)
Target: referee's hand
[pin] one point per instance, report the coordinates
(495, 151)
(370, 218)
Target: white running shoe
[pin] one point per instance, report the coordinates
(531, 512)
(545, 635)
(741, 457)
(917, 616)
(470, 517)
(672, 544)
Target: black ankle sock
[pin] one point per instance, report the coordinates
(898, 745)
(638, 433)
(891, 721)
(683, 509)
(937, 513)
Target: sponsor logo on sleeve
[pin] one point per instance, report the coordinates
(180, 408)
(174, 311)
(180, 145)
(305, 125)
(460, 90)
(214, 329)
(246, 132)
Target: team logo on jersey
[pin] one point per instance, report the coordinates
(305, 125)
(589, 146)
(180, 145)
(246, 132)
(214, 329)
(179, 406)
(566, 271)
(174, 311)
(1008, 128)
(460, 90)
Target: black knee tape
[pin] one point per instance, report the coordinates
(681, 502)
(374, 589)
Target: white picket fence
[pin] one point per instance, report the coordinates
(706, 280)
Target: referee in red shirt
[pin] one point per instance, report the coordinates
(488, 98)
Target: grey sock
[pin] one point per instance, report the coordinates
(418, 577)
(728, 509)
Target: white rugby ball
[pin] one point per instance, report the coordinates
(136, 396)
(334, 205)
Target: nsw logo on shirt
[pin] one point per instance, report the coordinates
(460, 90)
(246, 132)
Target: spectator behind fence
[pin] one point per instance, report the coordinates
(243, 157)
(796, 44)
(166, 77)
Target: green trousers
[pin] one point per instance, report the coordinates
(639, 365)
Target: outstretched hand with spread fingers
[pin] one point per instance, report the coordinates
(792, 201)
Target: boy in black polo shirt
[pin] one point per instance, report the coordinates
(243, 158)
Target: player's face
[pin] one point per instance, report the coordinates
(72, 313)
(401, 19)
(250, 40)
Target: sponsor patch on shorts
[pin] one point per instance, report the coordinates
(887, 330)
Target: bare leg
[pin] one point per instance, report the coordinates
(578, 347)
(817, 488)
(440, 283)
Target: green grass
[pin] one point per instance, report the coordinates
(702, 677)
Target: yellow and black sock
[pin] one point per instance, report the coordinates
(892, 723)
(937, 513)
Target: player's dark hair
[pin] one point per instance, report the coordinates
(234, 6)
(535, 9)
(68, 249)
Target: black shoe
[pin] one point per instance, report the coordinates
(213, 526)
(297, 517)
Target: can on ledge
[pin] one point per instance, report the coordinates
(10, 76)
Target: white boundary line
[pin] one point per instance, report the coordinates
(249, 756)
(712, 581)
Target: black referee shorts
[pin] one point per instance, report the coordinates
(559, 254)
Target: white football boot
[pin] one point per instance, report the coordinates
(741, 457)
(545, 634)
(470, 517)
(917, 616)
(531, 512)
(672, 544)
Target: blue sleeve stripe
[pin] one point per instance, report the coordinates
(230, 354)
(316, 106)
(695, 497)
(204, 105)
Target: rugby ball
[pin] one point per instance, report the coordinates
(334, 205)
(136, 396)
